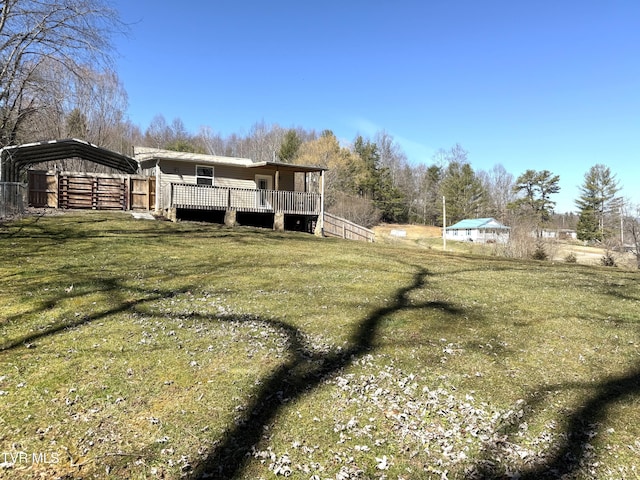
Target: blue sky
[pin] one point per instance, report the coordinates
(530, 85)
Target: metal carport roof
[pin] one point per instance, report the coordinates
(14, 159)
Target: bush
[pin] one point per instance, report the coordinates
(571, 258)
(540, 253)
(608, 260)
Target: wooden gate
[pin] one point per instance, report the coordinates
(143, 193)
(43, 189)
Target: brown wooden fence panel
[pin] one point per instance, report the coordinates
(75, 192)
(98, 193)
(339, 227)
(91, 191)
(43, 189)
(110, 194)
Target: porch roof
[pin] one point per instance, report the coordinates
(288, 167)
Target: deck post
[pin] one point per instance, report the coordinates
(278, 222)
(230, 217)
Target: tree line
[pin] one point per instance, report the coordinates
(57, 81)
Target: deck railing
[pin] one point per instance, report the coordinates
(207, 197)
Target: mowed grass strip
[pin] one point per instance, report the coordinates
(148, 349)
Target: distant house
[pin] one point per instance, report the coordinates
(560, 234)
(482, 230)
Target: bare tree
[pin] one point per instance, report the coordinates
(212, 142)
(158, 133)
(33, 32)
(101, 97)
(391, 155)
(264, 141)
(498, 184)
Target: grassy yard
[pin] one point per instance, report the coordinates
(148, 349)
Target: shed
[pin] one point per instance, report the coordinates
(482, 230)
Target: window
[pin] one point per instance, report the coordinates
(204, 175)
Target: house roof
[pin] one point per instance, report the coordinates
(145, 154)
(14, 159)
(478, 224)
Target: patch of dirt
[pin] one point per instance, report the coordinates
(412, 232)
(589, 255)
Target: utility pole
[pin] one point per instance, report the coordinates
(444, 224)
(622, 226)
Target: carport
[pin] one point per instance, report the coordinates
(122, 189)
(15, 160)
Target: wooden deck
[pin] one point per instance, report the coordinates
(206, 197)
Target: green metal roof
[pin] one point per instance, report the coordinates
(477, 223)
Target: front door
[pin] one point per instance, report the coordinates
(264, 184)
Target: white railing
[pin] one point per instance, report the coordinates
(207, 197)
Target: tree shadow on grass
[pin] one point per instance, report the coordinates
(568, 456)
(112, 287)
(304, 371)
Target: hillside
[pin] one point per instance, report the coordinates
(147, 349)
(424, 236)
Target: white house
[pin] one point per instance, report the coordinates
(482, 230)
(561, 234)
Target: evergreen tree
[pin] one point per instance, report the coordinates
(597, 201)
(375, 182)
(432, 202)
(463, 191)
(587, 228)
(367, 178)
(77, 125)
(537, 188)
(290, 146)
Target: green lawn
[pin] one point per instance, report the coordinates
(148, 349)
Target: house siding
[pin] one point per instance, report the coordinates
(223, 176)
